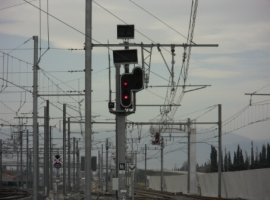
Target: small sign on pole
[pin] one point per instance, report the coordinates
(122, 166)
(57, 162)
(131, 167)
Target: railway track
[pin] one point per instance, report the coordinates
(12, 194)
(157, 195)
(152, 195)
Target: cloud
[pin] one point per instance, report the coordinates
(8, 21)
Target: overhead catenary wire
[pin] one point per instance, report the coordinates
(8, 107)
(72, 26)
(235, 122)
(159, 19)
(42, 48)
(59, 20)
(120, 19)
(48, 31)
(45, 11)
(15, 5)
(186, 59)
(261, 88)
(18, 47)
(16, 58)
(27, 90)
(48, 26)
(77, 30)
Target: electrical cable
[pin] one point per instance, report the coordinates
(23, 88)
(120, 19)
(16, 48)
(48, 14)
(48, 25)
(40, 27)
(12, 6)
(264, 86)
(159, 19)
(7, 106)
(59, 20)
(185, 64)
(16, 58)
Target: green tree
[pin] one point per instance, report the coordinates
(268, 155)
(238, 160)
(252, 161)
(235, 162)
(247, 161)
(263, 158)
(213, 159)
(230, 165)
(240, 164)
(184, 166)
(256, 161)
(225, 162)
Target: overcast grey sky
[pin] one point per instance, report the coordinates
(240, 64)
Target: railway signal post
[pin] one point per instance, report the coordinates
(127, 84)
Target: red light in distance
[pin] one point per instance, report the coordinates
(126, 97)
(125, 83)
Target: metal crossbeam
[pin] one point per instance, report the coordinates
(153, 45)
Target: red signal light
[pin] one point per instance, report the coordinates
(126, 97)
(130, 83)
(125, 83)
(126, 93)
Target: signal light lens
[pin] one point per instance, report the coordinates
(126, 93)
(130, 83)
(125, 84)
(126, 97)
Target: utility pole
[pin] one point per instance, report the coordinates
(38, 162)
(35, 117)
(219, 148)
(135, 170)
(17, 170)
(74, 166)
(77, 166)
(57, 180)
(107, 159)
(27, 159)
(64, 149)
(99, 170)
(31, 167)
(191, 181)
(132, 168)
(50, 160)
(1, 163)
(46, 149)
(162, 171)
(69, 169)
(188, 164)
(21, 155)
(88, 99)
(145, 166)
(101, 167)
